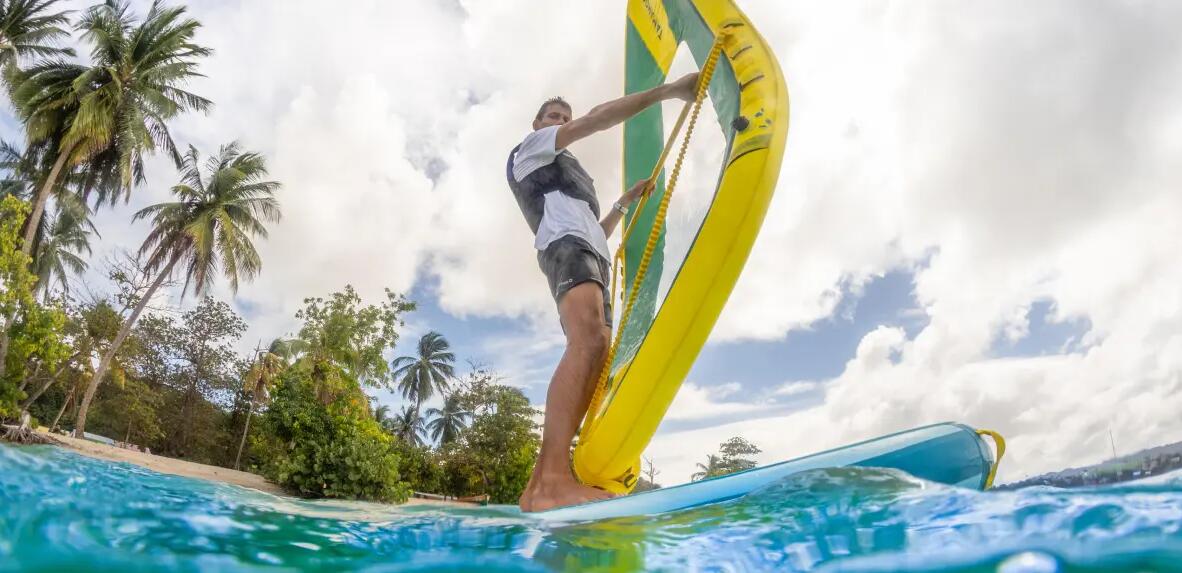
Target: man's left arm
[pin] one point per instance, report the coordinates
(617, 111)
(612, 219)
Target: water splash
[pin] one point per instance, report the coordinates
(60, 511)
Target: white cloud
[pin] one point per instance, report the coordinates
(797, 388)
(695, 402)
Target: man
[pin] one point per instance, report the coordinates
(558, 200)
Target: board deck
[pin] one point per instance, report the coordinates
(947, 453)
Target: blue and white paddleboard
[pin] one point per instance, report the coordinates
(948, 453)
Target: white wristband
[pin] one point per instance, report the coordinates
(620, 208)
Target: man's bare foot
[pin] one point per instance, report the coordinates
(549, 492)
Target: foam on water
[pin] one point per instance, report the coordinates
(60, 511)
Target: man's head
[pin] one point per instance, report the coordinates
(554, 112)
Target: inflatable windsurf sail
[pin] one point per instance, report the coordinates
(676, 303)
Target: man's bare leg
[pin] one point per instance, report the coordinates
(553, 484)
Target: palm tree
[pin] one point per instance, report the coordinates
(449, 421)
(259, 381)
(112, 113)
(408, 425)
(29, 29)
(68, 230)
(381, 415)
(211, 226)
(711, 468)
(58, 253)
(419, 377)
(20, 167)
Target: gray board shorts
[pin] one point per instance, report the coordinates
(569, 261)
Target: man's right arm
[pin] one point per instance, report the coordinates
(608, 115)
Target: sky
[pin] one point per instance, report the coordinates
(975, 220)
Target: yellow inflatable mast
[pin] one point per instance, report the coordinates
(659, 344)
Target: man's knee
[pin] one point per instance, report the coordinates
(606, 336)
(592, 334)
(581, 311)
(601, 339)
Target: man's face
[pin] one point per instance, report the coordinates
(555, 114)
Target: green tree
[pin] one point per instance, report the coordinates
(734, 454)
(111, 113)
(342, 341)
(421, 468)
(328, 450)
(381, 415)
(192, 362)
(130, 413)
(207, 365)
(88, 328)
(258, 383)
(31, 29)
(60, 238)
(447, 422)
(36, 341)
(712, 468)
(59, 254)
(408, 426)
(499, 448)
(419, 377)
(30, 331)
(731, 458)
(77, 335)
(211, 225)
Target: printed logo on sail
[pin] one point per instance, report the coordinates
(652, 14)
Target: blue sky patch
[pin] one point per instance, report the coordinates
(1044, 335)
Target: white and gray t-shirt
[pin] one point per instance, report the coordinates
(564, 215)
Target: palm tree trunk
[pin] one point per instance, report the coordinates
(245, 430)
(186, 418)
(190, 394)
(4, 344)
(58, 418)
(33, 397)
(109, 355)
(30, 377)
(43, 197)
(54, 378)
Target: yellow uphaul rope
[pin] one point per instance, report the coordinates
(1000, 442)
(658, 223)
(619, 263)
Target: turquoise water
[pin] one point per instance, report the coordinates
(60, 511)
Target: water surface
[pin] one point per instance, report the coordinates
(61, 511)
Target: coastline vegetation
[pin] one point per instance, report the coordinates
(114, 358)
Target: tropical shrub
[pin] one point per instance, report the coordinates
(328, 450)
(419, 467)
(28, 330)
(495, 455)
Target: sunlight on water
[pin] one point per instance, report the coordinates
(59, 511)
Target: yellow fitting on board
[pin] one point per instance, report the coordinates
(1000, 443)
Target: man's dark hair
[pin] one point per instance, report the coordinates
(558, 100)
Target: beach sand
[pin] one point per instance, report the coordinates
(184, 468)
(166, 465)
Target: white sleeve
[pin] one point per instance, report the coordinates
(536, 151)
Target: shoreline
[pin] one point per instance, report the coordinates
(173, 466)
(166, 465)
